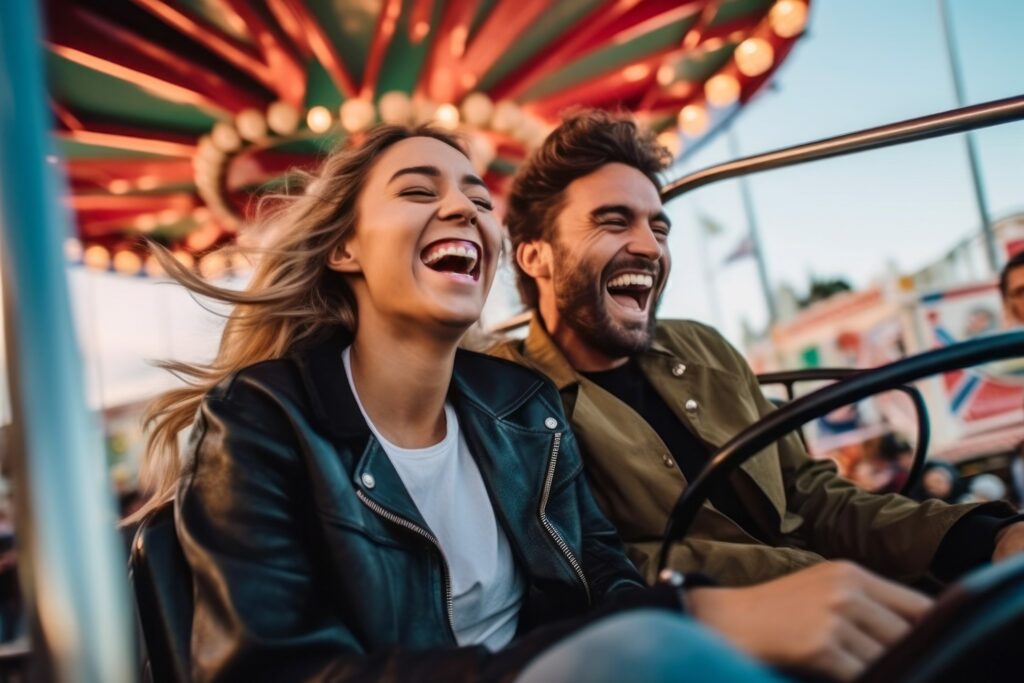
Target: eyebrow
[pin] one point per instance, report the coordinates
(626, 212)
(433, 172)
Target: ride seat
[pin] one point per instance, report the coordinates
(162, 583)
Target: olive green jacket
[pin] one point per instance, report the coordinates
(806, 511)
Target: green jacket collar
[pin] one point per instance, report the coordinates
(701, 380)
(542, 352)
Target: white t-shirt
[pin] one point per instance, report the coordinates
(444, 482)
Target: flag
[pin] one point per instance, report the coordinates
(742, 250)
(711, 227)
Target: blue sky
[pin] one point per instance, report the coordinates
(862, 64)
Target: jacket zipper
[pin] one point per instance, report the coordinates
(402, 522)
(562, 545)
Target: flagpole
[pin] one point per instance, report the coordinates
(708, 269)
(991, 253)
(753, 232)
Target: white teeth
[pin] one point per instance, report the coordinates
(632, 280)
(469, 252)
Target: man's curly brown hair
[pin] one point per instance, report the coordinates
(583, 143)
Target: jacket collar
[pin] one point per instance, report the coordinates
(323, 375)
(335, 407)
(486, 393)
(542, 351)
(656, 363)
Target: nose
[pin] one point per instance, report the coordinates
(458, 207)
(644, 243)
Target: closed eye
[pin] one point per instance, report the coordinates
(416, 192)
(483, 203)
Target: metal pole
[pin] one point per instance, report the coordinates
(707, 268)
(73, 561)
(754, 232)
(991, 252)
(923, 128)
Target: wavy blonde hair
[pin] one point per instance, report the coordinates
(291, 295)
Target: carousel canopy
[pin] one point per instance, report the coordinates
(171, 114)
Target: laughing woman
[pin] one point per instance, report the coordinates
(359, 499)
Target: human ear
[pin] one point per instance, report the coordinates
(343, 258)
(535, 258)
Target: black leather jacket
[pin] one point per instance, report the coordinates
(307, 568)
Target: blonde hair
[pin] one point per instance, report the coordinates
(291, 296)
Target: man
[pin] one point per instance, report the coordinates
(650, 400)
(1011, 288)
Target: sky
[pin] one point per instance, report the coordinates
(862, 64)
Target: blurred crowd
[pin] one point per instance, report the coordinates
(883, 464)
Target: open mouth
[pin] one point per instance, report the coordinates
(454, 257)
(631, 290)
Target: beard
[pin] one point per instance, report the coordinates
(582, 303)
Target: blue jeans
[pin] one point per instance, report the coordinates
(644, 645)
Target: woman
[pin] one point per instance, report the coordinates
(361, 500)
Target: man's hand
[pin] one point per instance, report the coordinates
(833, 619)
(1009, 541)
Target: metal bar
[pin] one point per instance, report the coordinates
(788, 378)
(73, 563)
(791, 377)
(923, 128)
(972, 153)
(863, 384)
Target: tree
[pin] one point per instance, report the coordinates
(824, 288)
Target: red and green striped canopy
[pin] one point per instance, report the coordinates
(170, 114)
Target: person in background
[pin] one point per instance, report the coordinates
(885, 467)
(939, 481)
(1011, 289)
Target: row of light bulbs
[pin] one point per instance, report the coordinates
(477, 112)
(130, 263)
(753, 57)
(226, 139)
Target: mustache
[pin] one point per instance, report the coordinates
(632, 263)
